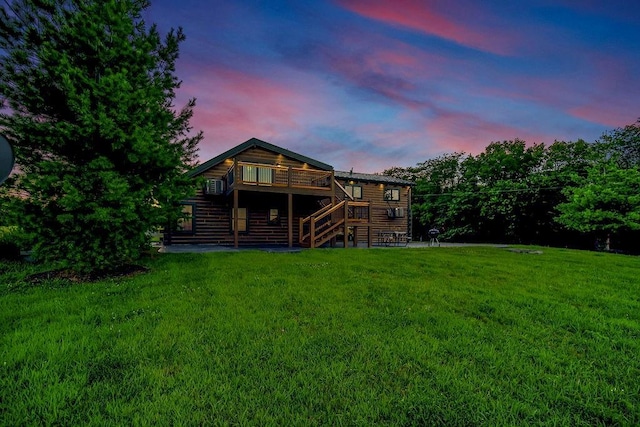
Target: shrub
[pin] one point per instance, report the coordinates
(12, 239)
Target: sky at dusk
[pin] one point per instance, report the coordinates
(371, 84)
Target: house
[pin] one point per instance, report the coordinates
(260, 194)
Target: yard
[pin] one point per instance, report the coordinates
(439, 336)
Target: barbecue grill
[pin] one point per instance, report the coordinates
(433, 236)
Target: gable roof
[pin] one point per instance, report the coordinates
(370, 177)
(251, 143)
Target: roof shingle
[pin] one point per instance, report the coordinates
(370, 177)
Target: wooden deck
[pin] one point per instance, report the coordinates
(278, 178)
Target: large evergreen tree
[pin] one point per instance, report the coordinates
(86, 99)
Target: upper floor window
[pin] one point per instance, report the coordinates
(262, 175)
(354, 191)
(391, 194)
(265, 175)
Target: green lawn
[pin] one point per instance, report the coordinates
(436, 336)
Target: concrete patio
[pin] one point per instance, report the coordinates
(201, 248)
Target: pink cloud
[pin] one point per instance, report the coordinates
(394, 71)
(370, 73)
(593, 92)
(423, 17)
(607, 99)
(233, 106)
(456, 131)
(397, 58)
(613, 118)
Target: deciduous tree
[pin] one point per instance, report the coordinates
(608, 201)
(622, 145)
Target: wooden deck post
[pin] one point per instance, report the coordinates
(333, 188)
(346, 223)
(312, 232)
(236, 172)
(369, 233)
(409, 215)
(235, 218)
(334, 197)
(290, 218)
(300, 230)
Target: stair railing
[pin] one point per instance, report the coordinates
(321, 224)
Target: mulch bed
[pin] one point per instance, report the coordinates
(71, 276)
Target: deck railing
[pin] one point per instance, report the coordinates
(260, 174)
(328, 222)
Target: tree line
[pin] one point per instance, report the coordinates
(573, 194)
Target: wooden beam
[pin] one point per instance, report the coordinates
(300, 230)
(409, 214)
(235, 217)
(346, 195)
(312, 232)
(369, 233)
(236, 172)
(311, 191)
(346, 223)
(290, 218)
(333, 188)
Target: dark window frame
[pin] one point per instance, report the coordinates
(246, 221)
(352, 193)
(179, 224)
(261, 175)
(270, 219)
(389, 192)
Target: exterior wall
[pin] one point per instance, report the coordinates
(260, 155)
(213, 213)
(374, 194)
(213, 219)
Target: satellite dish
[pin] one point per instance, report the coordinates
(6, 159)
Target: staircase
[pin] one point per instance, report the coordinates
(331, 220)
(322, 226)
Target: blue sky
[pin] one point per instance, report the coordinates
(370, 84)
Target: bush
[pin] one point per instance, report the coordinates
(12, 239)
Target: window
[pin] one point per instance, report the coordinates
(186, 222)
(249, 173)
(354, 191)
(257, 174)
(392, 194)
(360, 212)
(274, 216)
(265, 176)
(243, 222)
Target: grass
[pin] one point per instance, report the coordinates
(440, 336)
